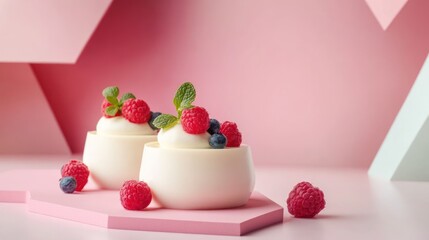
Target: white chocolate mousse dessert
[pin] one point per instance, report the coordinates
(197, 163)
(113, 152)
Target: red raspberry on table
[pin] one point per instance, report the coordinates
(135, 195)
(305, 201)
(195, 120)
(106, 104)
(136, 111)
(78, 170)
(232, 134)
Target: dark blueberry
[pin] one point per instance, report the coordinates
(153, 115)
(217, 141)
(68, 184)
(214, 126)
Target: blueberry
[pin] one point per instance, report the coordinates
(153, 115)
(217, 141)
(68, 184)
(214, 126)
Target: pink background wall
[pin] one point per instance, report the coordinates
(308, 82)
(27, 124)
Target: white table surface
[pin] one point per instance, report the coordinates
(358, 207)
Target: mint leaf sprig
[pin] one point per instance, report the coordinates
(111, 94)
(183, 99)
(185, 95)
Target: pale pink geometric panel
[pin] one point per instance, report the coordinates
(40, 191)
(27, 124)
(385, 10)
(47, 31)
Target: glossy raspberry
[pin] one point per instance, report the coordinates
(232, 134)
(104, 105)
(195, 120)
(136, 111)
(305, 201)
(135, 195)
(78, 170)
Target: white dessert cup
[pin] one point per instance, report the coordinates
(182, 178)
(114, 159)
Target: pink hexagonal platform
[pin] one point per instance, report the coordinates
(40, 191)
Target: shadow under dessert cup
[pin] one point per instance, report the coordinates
(113, 152)
(197, 163)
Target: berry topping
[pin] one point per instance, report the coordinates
(232, 134)
(214, 126)
(111, 106)
(68, 184)
(183, 99)
(153, 115)
(78, 170)
(104, 106)
(217, 141)
(195, 120)
(305, 201)
(135, 195)
(136, 111)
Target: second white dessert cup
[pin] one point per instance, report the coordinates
(114, 159)
(182, 178)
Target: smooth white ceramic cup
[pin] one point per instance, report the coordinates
(182, 178)
(114, 159)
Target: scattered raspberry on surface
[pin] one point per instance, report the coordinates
(78, 170)
(195, 120)
(232, 134)
(135, 195)
(305, 201)
(136, 111)
(104, 105)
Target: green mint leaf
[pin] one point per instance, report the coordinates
(185, 95)
(111, 110)
(172, 124)
(112, 100)
(165, 121)
(185, 106)
(111, 92)
(127, 96)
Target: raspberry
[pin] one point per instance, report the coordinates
(106, 104)
(305, 201)
(195, 120)
(78, 170)
(232, 134)
(135, 195)
(136, 111)
(68, 184)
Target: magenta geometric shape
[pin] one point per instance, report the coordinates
(47, 31)
(40, 191)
